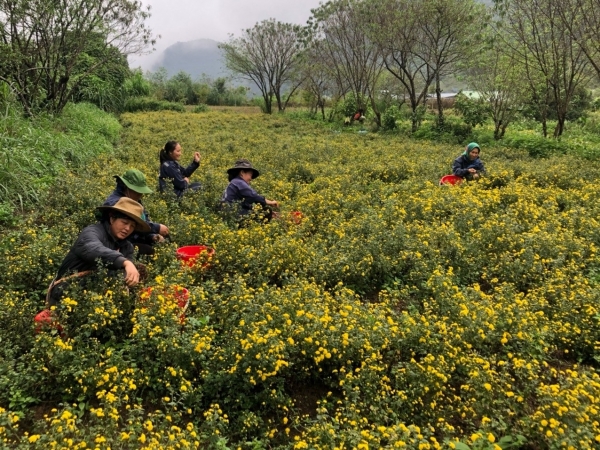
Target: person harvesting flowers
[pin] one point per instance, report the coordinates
(132, 184)
(239, 196)
(468, 165)
(104, 242)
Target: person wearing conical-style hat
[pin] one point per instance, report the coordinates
(239, 195)
(104, 242)
(468, 165)
(132, 184)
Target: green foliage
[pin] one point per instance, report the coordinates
(135, 104)
(136, 85)
(69, 52)
(200, 108)
(395, 313)
(349, 105)
(454, 130)
(102, 86)
(222, 95)
(40, 150)
(474, 112)
(389, 118)
(537, 146)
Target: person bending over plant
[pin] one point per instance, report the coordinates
(468, 165)
(103, 243)
(239, 197)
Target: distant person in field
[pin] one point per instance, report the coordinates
(240, 198)
(170, 169)
(104, 243)
(359, 116)
(468, 165)
(132, 184)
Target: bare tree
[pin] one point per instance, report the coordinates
(582, 19)
(450, 31)
(41, 43)
(421, 42)
(535, 31)
(316, 81)
(268, 55)
(500, 82)
(354, 61)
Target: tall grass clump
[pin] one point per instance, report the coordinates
(36, 151)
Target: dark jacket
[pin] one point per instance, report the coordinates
(462, 164)
(93, 245)
(135, 237)
(176, 172)
(96, 243)
(240, 192)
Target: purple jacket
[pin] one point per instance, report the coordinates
(240, 192)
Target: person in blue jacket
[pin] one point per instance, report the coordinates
(468, 165)
(171, 169)
(132, 184)
(239, 196)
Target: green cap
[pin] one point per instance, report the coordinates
(135, 180)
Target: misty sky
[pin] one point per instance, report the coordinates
(187, 20)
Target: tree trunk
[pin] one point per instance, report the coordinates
(268, 103)
(497, 135)
(438, 93)
(544, 126)
(560, 126)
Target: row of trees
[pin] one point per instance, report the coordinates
(56, 51)
(183, 89)
(513, 51)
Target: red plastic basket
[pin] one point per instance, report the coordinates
(178, 293)
(191, 254)
(296, 217)
(451, 180)
(45, 320)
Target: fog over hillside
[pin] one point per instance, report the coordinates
(198, 57)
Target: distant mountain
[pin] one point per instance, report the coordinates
(197, 57)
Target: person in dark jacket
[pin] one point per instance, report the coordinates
(171, 169)
(239, 196)
(103, 242)
(132, 184)
(468, 165)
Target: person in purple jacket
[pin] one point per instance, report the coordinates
(170, 169)
(239, 196)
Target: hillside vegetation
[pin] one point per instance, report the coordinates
(396, 314)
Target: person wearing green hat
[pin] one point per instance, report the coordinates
(468, 165)
(132, 184)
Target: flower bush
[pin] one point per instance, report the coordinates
(396, 314)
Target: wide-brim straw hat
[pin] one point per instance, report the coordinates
(131, 209)
(135, 180)
(243, 164)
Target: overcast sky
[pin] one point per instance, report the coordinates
(188, 20)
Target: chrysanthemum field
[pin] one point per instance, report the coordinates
(397, 314)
